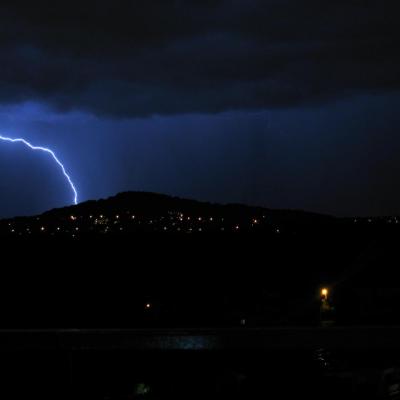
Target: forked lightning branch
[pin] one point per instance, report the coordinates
(52, 154)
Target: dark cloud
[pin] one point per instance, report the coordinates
(136, 58)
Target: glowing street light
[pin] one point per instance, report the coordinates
(327, 316)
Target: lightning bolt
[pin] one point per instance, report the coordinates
(48, 151)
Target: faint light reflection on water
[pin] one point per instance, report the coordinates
(187, 342)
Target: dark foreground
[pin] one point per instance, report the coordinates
(201, 364)
(268, 281)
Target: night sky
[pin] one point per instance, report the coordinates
(280, 103)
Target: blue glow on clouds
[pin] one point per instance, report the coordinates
(339, 158)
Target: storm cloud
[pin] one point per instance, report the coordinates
(166, 57)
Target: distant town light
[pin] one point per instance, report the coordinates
(324, 293)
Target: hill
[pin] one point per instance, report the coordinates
(134, 212)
